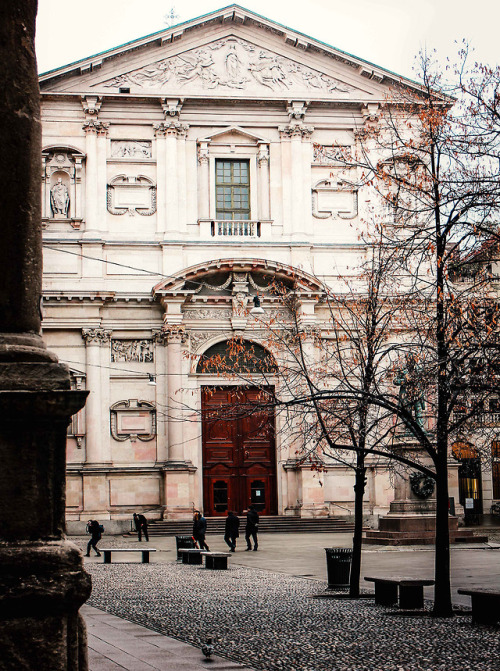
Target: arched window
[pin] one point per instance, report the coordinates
(236, 356)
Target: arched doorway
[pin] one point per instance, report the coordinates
(239, 454)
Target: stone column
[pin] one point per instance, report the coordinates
(161, 179)
(96, 134)
(161, 341)
(264, 184)
(300, 214)
(204, 190)
(182, 180)
(176, 336)
(42, 582)
(178, 473)
(97, 444)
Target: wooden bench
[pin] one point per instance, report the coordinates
(145, 553)
(410, 591)
(192, 555)
(485, 605)
(216, 560)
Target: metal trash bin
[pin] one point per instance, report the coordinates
(338, 565)
(182, 543)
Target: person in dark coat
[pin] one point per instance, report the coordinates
(232, 530)
(94, 529)
(199, 530)
(251, 528)
(141, 525)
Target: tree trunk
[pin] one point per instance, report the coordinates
(442, 591)
(357, 541)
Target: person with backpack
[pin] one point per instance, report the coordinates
(141, 525)
(95, 530)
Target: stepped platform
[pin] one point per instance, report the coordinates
(271, 524)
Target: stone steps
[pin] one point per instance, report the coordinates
(275, 523)
(419, 537)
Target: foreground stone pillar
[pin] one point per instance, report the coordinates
(42, 581)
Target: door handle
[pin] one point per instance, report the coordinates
(246, 454)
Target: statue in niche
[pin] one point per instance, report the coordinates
(59, 199)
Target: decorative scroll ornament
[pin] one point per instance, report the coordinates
(132, 149)
(132, 350)
(132, 420)
(99, 336)
(135, 195)
(230, 64)
(422, 485)
(334, 199)
(199, 337)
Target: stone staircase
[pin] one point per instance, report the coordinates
(271, 524)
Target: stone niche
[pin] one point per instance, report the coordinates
(62, 186)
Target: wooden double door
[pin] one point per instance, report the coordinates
(239, 455)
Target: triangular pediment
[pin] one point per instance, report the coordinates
(230, 53)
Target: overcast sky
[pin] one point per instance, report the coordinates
(388, 33)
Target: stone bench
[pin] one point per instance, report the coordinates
(191, 555)
(216, 560)
(145, 553)
(485, 605)
(407, 592)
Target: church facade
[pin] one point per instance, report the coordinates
(181, 173)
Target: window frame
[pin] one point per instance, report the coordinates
(232, 185)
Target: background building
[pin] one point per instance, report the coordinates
(181, 173)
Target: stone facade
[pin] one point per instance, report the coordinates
(135, 136)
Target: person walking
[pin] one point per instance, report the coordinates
(95, 531)
(141, 525)
(199, 530)
(232, 530)
(251, 528)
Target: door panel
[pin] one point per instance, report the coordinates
(239, 463)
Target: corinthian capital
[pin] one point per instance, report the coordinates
(97, 127)
(169, 128)
(99, 336)
(175, 334)
(296, 130)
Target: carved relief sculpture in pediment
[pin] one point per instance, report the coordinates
(229, 63)
(334, 199)
(131, 194)
(132, 350)
(131, 149)
(62, 186)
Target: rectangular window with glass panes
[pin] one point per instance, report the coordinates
(232, 190)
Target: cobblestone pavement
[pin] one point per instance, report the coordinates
(268, 620)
